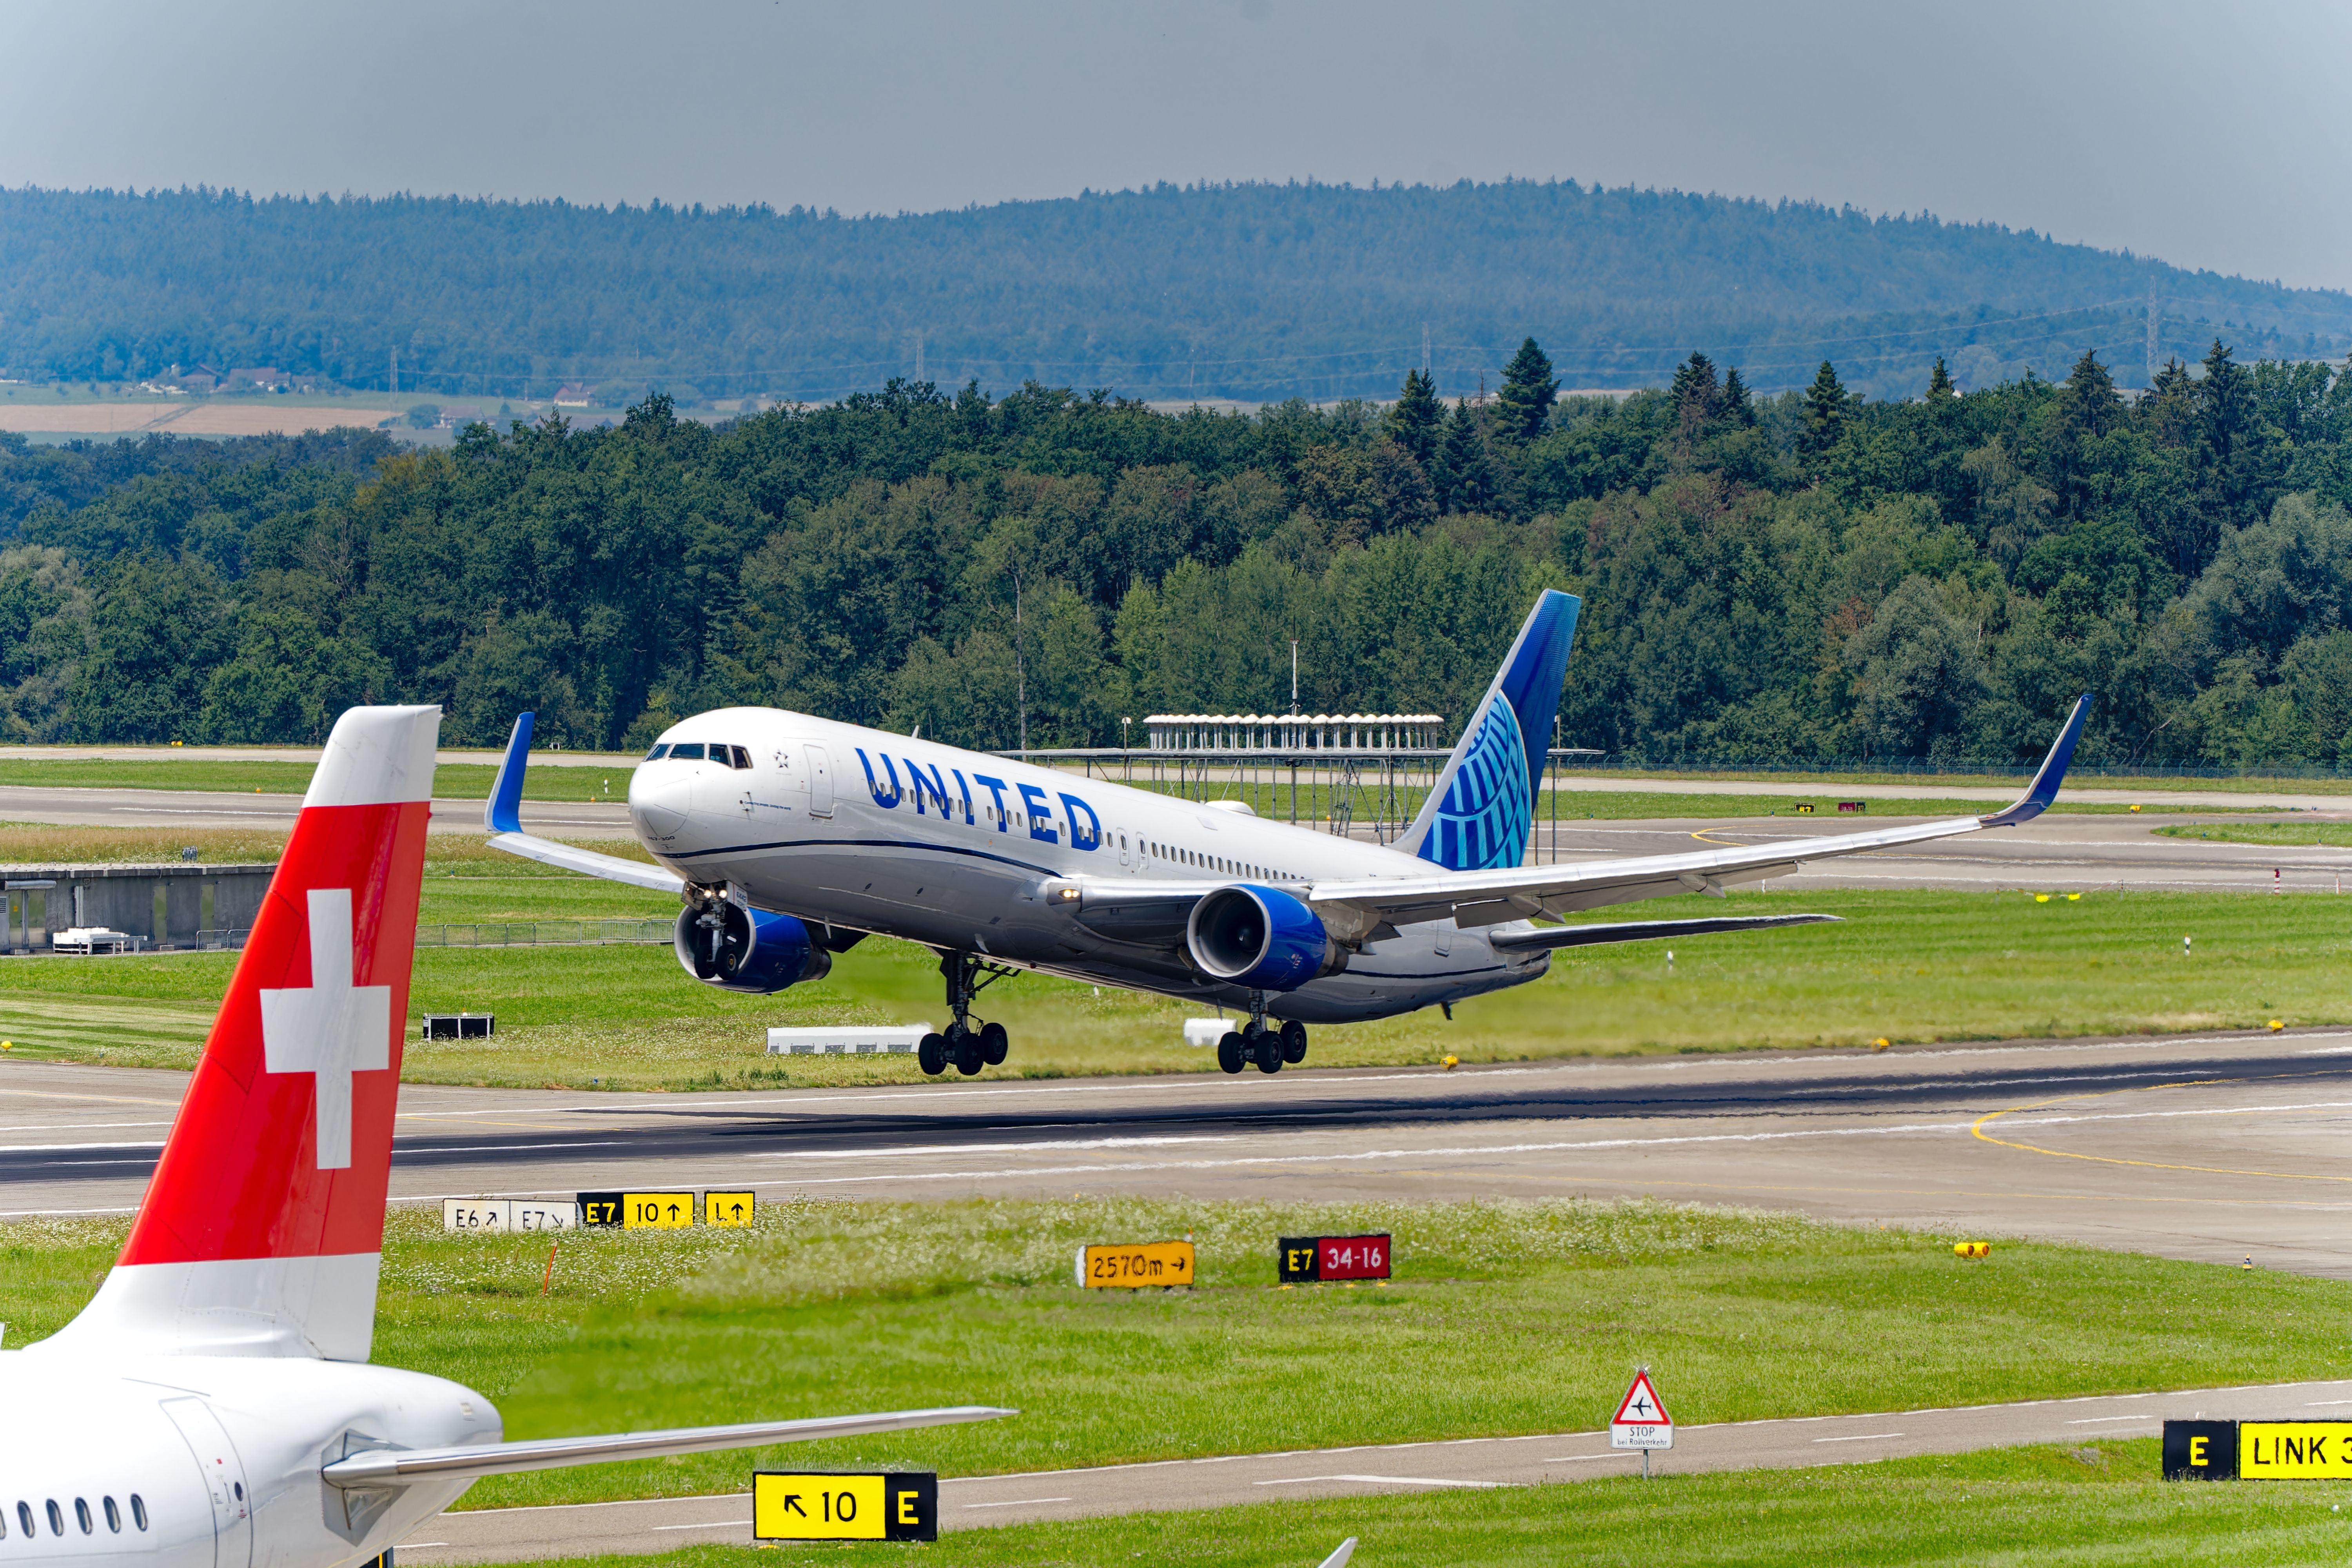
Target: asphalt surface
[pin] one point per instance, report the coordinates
(522, 1534)
(2215, 1148)
(2059, 851)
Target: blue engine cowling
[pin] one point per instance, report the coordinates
(1261, 938)
(736, 949)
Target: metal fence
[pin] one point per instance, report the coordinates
(1373, 794)
(547, 934)
(497, 933)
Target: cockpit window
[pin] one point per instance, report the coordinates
(742, 756)
(687, 752)
(658, 752)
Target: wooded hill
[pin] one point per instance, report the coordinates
(1250, 291)
(1809, 575)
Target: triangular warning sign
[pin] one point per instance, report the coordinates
(1641, 1405)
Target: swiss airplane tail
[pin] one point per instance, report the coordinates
(263, 1226)
(1481, 813)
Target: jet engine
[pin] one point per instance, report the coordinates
(736, 949)
(1261, 938)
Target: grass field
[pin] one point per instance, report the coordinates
(1504, 1317)
(1903, 965)
(2301, 834)
(2096, 1503)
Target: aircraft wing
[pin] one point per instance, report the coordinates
(1366, 909)
(502, 817)
(398, 1467)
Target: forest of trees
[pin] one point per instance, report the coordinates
(1249, 291)
(1812, 575)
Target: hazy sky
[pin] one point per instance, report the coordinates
(2208, 135)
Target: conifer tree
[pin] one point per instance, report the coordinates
(1416, 417)
(1737, 405)
(1826, 414)
(1939, 381)
(1529, 388)
(1695, 391)
(1466, 476)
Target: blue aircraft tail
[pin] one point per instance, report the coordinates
(1482, 812)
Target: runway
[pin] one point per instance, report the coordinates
(970, 1502)
(2059, 851)
(2214, 1148)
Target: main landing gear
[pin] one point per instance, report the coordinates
(1255, 1042)
(964, 1047)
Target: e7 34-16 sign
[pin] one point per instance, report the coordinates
(1307, 1259)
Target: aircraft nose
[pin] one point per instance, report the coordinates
(658, 806)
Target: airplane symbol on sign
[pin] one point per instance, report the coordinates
(1638, 1408)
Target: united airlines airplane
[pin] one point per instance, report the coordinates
(790, 838)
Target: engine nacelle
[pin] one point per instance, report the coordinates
(1261, 938)
(753, 950)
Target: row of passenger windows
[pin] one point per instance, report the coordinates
(28, 1522)
(700, 751)
(1207, 862)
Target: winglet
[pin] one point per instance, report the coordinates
(2044, 788)
(502, 812)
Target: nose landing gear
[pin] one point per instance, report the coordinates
(1257, 1044)
(962, 1045)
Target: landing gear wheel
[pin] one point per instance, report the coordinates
(931, 1055)
(1267, 1049)
(1233, 1052)
(969, 1057)
(994, 1043)
(1294, 1041)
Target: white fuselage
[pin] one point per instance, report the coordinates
(882, 833)
(192, 1461)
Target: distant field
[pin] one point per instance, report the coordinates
(451, 781)
(1906, 965)
(184, 417)
(1504, 1317)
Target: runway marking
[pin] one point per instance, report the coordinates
(1378, 1481)
(2103, 1420)
(1019, 1502)
(984, 1148)
(1976, 1129)
(1864, 1437)
(716, 1524)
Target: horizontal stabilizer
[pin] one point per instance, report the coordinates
(399, 1467)
(1643, 930)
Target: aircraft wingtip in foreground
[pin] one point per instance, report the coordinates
(213, 1403)
(790, 838)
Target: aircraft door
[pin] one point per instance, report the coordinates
(224, 1476)
(820, 782)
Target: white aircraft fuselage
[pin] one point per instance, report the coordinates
(852, 827)
(212, 1461)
